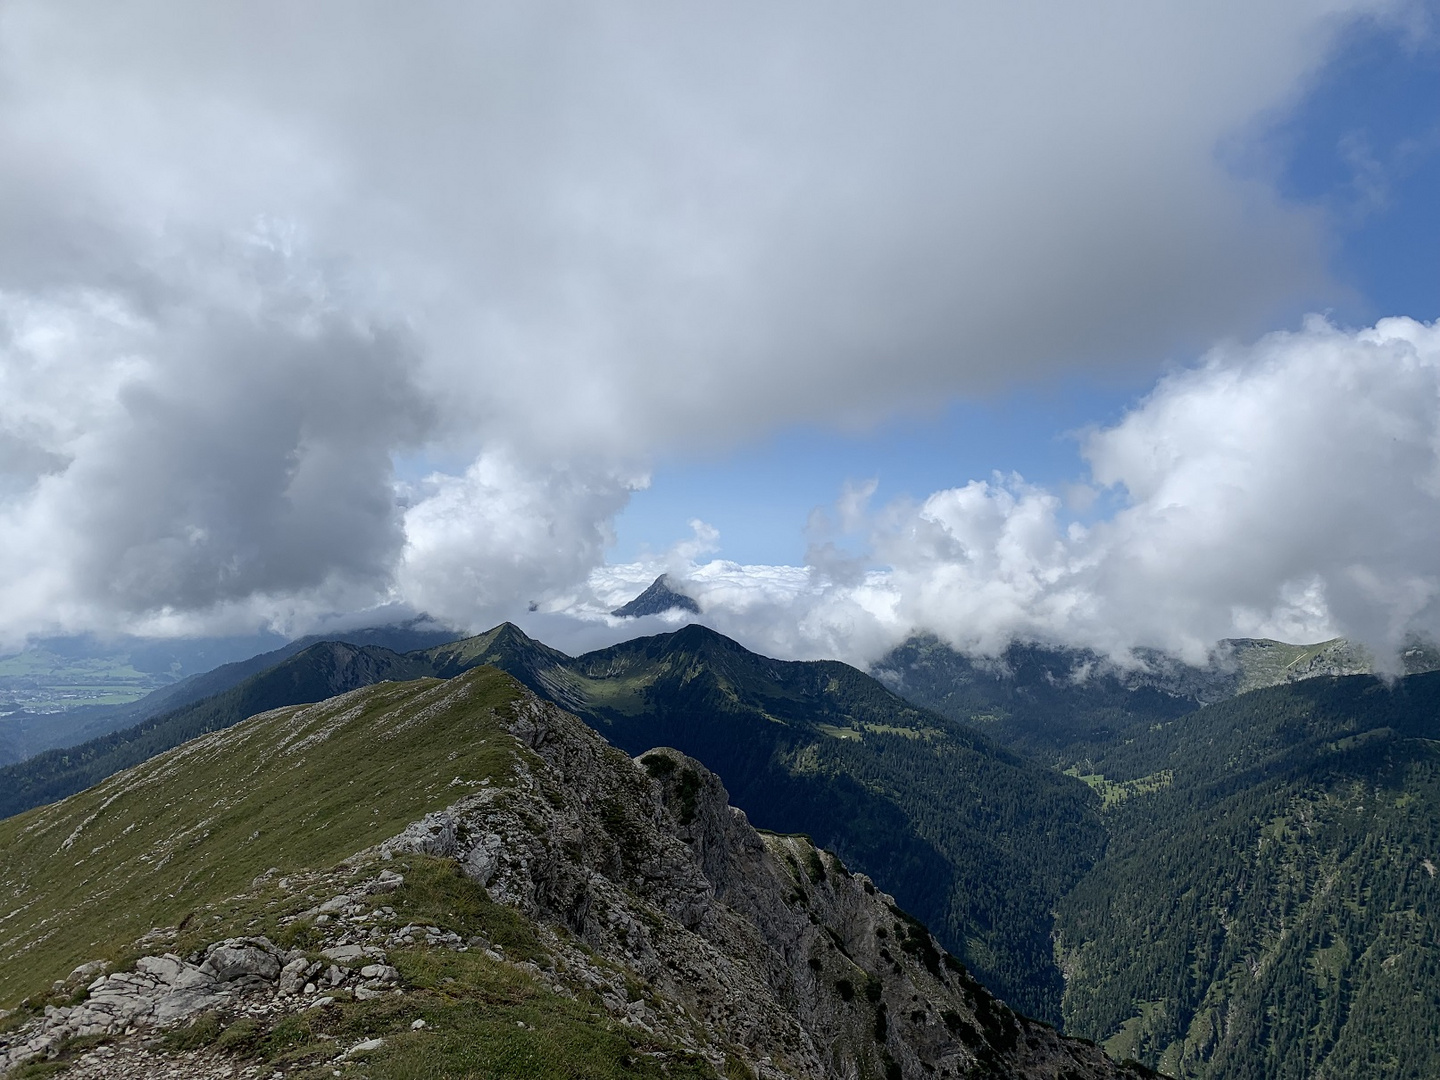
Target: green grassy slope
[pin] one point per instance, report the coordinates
(289, 676)
(507, 647)
(201, 838)
(25, 733)
(294, 789)
(310, 675)
(1273, 912)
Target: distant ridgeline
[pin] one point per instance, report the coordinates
(1056, 704)
(66, 692)
(1245, 888)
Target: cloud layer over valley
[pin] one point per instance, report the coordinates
(1288, 489)
(309, 310)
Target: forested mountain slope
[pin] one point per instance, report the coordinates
(1064, 706)
(977, 841)
(1268, 908)
(1055, 705)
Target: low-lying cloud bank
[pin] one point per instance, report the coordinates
(1289, 489)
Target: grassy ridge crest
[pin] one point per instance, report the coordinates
(291, 789)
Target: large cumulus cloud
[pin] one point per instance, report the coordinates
(1286, 489)
(200, 454)
(251, 254)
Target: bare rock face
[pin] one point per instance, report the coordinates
(751, 941)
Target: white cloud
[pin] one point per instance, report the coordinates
(197, 455)
(485, 545)
(1288, 489)
(250, 253)
(1298, 476)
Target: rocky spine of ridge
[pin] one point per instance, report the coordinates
(749, 947)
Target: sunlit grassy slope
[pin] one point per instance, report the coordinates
(316, 673)
(296, 788)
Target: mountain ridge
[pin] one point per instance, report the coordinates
(1058, 704)
(309, 675)
(28, 735)
(807, 746)
(819, 747)
(948, 816)
(556, 908)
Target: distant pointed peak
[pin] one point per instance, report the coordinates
(659, 598)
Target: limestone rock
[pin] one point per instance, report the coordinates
(385, 881)
(345, 954)
(162, 991)
(229, 962)
(432, 835)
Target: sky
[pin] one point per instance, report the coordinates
(1109, 326)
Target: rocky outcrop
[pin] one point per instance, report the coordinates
(160, 992)
(755, 944)
(249, 975)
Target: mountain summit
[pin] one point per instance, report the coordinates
(659, 598)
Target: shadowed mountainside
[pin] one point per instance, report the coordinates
(1062, 706)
